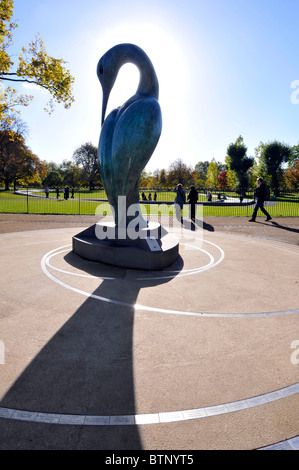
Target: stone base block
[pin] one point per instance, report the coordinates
(153, 249)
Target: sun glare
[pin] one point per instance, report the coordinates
(125, 86)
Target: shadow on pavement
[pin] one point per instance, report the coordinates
(284, 227)
(86, 368)
(197, 224)
(274, 224)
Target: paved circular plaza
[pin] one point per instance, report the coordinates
(201, 355)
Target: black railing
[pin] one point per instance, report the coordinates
(84, 201)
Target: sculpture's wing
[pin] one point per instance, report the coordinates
(136, 134)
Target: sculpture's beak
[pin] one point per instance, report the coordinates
(104, 106)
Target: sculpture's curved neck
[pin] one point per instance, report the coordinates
(148, 84)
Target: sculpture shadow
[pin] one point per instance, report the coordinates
(86, 369)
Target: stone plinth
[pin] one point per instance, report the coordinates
(153, 249)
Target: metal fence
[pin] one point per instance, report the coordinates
(87, 202)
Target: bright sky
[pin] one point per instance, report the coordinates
(225, 68)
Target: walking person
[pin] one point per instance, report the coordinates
(66, 193)
(192, 199)
(261, 195)
(179, 201)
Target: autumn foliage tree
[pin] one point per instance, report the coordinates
(179, 172)
(222, 180)
(18, 164)
(34, 66)
(212, 175)
(291, 175)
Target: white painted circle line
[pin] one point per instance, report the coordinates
(69, 272)
(148, 418)
(189, 272)
(50, 254)
(172, 274)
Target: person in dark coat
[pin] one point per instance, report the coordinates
(260, 195)
(180, 201)
(66, 193)
(192, 199)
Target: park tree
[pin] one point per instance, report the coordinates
(294, 153)
(86, 158)
(222, 180)
(179, 172)
(18, 164)
(201, 169)
(74, 177)
(162, 178)
(34, 66)
(53, 180)
(273, 155)
(71, 174)
(260, 166)
(155, 178)
(231, 179)
(212, 175)
(239, 162)
(253, 174)
(51, 166)
(291, 175)
(146, 179)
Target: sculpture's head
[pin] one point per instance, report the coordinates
(107, 73)
(114, 59)
(108, 68)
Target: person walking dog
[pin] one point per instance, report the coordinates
(261, 195)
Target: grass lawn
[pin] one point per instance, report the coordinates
(89, 203)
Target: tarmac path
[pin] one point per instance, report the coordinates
(203, 355)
